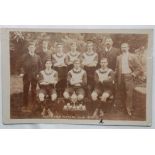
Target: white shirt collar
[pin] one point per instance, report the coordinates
(31, 54)
(76, 70)
(107, 50)
(73, 53)
(59, 54)
(90, 53)
(102, 70)
(48, 71)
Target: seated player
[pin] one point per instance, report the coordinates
(60, 65)
(48, 78)
(103, 91)
(72, 55)
(75, 93)
(89, 61)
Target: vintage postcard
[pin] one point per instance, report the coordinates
(77, 76)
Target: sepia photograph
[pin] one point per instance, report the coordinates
(77, 76)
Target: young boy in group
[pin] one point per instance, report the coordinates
(76, 81)
(104, 87)
(60, 65)
(48, 78)
(72, 55)
(29, 65)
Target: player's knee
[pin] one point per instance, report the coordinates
(41, 96)
(80, 97)
(66, 95)
(94, 96)
(104, 96)
(54, 97)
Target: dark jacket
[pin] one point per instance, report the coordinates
(30, 65)
(111, 56)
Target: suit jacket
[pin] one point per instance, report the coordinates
(134, 65)
(30, 65)
(111, 56)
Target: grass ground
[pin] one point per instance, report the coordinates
(16, 102)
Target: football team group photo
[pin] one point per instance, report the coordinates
(78, 75)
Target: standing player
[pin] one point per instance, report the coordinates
(104, 80)
(30, 65)
(77, 80)
(72, 55)
(60, 65)
(89, 61)
(48, 78)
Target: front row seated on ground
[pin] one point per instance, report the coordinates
(75, 92)
(48, 78)
(104, 88)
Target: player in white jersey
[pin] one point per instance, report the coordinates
(104, 86)
(72, 55)
(89, 61)
(60, 65)
(48, 78)
(77, 80)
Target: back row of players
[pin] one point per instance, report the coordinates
(70, 75)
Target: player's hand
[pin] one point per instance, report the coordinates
(143, 78)
(59, 64)
(109, 77)
(21, 75)
(53, 82)
(91, 65)
(133, 75)
(44, 83)
(72, 82)
(94, 64)
(77, 84)
(69, 63)
(37, 76)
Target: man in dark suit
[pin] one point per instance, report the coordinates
(30, 65)
(127, 68)
(110, 53)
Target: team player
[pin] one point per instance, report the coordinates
(60, 65)
(48, 78)
(104, 83)
(72, 55)
(89, 61)
(77, 80)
